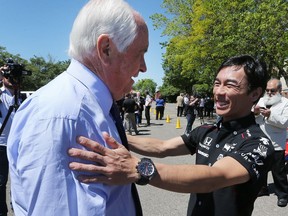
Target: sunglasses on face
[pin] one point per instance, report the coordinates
(271, 90)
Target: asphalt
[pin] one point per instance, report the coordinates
(158, 202)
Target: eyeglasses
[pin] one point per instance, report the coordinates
(271, 90)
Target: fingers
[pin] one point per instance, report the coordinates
(266, 112)
(105, 165)
(92, 145)
(100, 171)
(110, 141)
(96, 147)
(97, 150)
(87, 168)
(86, 155)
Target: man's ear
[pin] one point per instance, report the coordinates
(256, 94)
(104, 48)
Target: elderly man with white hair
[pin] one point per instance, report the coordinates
(108, 42)
(272, 116)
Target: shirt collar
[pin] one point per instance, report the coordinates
(240, 123)
(3, 89)
(93, 83)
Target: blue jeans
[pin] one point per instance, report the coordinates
(190, 120)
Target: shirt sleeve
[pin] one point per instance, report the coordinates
(279, 116)
(191, 140)
(255, 155)
(42, 180)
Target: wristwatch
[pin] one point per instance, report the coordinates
(146, 169)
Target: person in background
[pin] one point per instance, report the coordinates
(119, 104)
(180, 104)
(209, 107)
(186, 102)
(7, 100)
(148, 103)
(129, 107)
(140, 103)
(157, 95)
(108, 42)
(232, 156)
(160, 107)
(272, 115)
(190, 113)
(201, 106)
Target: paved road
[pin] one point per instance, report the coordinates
(157, 202)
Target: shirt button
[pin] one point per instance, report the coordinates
(235, 132)
(217, 145)
(199, 203)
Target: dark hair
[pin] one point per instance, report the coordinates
(256, 71)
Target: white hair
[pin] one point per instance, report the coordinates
(113, 17)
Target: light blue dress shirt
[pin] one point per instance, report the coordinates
(45, 126)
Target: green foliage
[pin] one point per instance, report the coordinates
(144, 85)
(204, 33)
(169, 92)
(42, 71)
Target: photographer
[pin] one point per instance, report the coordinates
(6, 100)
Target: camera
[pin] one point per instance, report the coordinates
(14, 70)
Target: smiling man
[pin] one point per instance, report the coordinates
(107, 46)
(232, 157)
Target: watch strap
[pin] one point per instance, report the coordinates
(143, 180)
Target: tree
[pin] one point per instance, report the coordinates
(42, 71)
(204, 33)
(144, 85)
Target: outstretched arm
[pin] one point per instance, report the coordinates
(118, 166)
(157, 148)
(200, 178)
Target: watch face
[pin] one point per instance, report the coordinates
(146, 168)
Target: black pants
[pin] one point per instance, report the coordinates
(201, 112)
(179, 111)
(159, 112)
(147, 114)
(280, 175)
(3, 179)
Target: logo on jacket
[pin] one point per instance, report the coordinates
(207, 141)
(264, 140)
(229, 147)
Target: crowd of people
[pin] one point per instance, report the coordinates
(72, 156)
(133, 105)
(203, 108)
(194, 106)
(188, 106)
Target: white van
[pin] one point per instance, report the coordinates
(25, 94)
